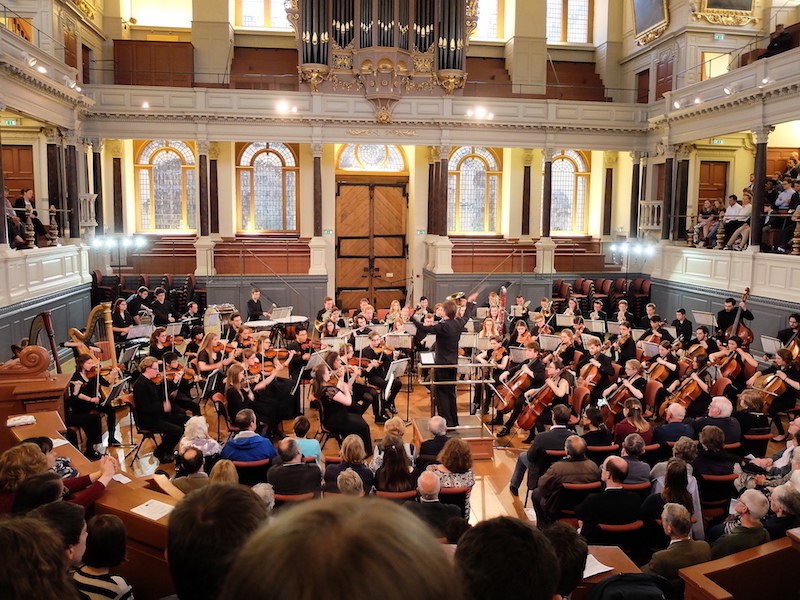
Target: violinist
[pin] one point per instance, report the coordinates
(733, 353)
(256, 312)
(329, 329)
(84, 402)
(297, 363)
(702, 342)
(520, 336)
(160, 344)
(377, 371)
(231, 330)
(578, 327)
(360, 327)
(271, 362)
(498, 358)
(244, 339)
(272, 394)
(193, 346)
(622, 313)
(347, 366)
(179, 385)
(655, 333)
(624, 348)
(369, 315)
(573, 309)
(727, 316)
(121, 321)
(540, 326)
(595, 358)
(597, 313)
(154, 410)
(163, 311)
(566, 350)
(668, 360)
(211, 357)
(325, 312)
(533, 367)
(334, 398)
(699, 373)
(790, 334)
(559, 384)
(683, 327)
(784, 369)
(239, 395)
(650, 312)
(634, 382)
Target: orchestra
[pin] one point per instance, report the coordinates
(251, 373)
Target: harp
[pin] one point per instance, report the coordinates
(42, 334)
(98, 333)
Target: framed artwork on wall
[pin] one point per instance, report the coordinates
(650, 18)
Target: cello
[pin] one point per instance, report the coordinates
(687, 392)
(507, 396)
(738, 328)
(770, 386)
(537, 404)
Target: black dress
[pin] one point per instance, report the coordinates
(338, 419)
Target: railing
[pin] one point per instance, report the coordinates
(23, 28)
(650, 215)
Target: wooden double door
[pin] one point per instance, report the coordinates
(371, 243)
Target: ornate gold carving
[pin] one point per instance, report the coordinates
(451, 80)
(726, 16)
(343, 60)
(384, 115)
(293, 15)
(423, 63)
(114, 148)
(213, 150)
(381, 132)
(86, 8)
(651, 34)
(609, 158)
(472, 11)
(314, 75)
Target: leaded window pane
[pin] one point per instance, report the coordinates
(168, 189)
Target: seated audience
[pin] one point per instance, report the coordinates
(352, 455)
(633, 422)
(438, 428)
(308, 447)
(382, 551)
(673, 427)
(105, 549)
(267, 494)
(293, 476)
(751, 507)
(455, 468)
(394, 475)
(394, 427)
(195, 435)
(534, 461)
(506, 558)
(349, 483)
(785, 504)
(574, 468)
(675, 486)
(614, 506)
(195, 477)
(38, 490)
(632, 449)
(224, 471)
(685, 449)
(59, 464)
(750, 414)
(571, 551)
(429, 508)
(682, 551)
(247, 445)
(32, 547)
(719, 415)
(69, 522)
(595, 431)
(712, 458)
(205, 532)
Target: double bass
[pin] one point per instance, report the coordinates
(739, 328)
(537, 404)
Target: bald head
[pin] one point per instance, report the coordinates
(428, 485)
(575, 446)
(616, 468)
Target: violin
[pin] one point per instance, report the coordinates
(354, 361)
(621, 340)
(537, 404)
(280, 354)
(188, 374)
(174, 341)
(544, 330)
(497, 355)
(266, 368)
(309, 345)
(220, 346)
(738, 328)
(95, 371)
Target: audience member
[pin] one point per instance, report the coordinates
(675, 486)
(685, 449)
(574, 468)
(31, 547)
(224, 471)
(105, 550)
(247, 445)
(507, 558)
(195, 435)
(37, 490)
(785, 504)
(349, 483)
(382, 551)
(195, 477)
(205, 532)
(69, 521)
(438, 428)
(615, 506)
(719, 415)
(352, 454)
(633, 422)
(595, 431)
(682, 551)
(673, 427)
(534, 461)
(632, 449)
(267, 494)
(780, 40)
(455, 468)
(429, 508)
(751, 507)
(394, 427)
(713, 459)
(308, 447)
(293, 476)
(750, 414)
(571, 551)
(394, 475)
(59, 464)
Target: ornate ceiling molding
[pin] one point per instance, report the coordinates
(51, 88)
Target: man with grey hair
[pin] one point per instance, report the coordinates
(751, 507)
(719, 415)
(429, 508)
(682, 551)
(349, 483)
(632, 450)
(574, 468)
(438, 428)
(294, 476)
(674, 427)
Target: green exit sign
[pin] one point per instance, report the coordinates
(718, 37)
(717, 141)
(10, 122)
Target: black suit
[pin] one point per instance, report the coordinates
(683, 331)
(433, 446)
(536, 459)
(613, 507)
(435, 514)
(295, 478)
(150, 414)
(726, 318)
(447, 332)
(785, 335)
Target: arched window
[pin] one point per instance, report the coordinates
(489, 20)
(473, 191)
(267, 184)
(165, 186)
(375, 158)
(569, 21)
(570, 193)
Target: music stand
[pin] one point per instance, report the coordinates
(595, 326)
(517, 311)
(770, 345)
(637, 333)
(397, 369)
(587, 337)
(140, 331)
(128, 354)
(399, 340)
(673, 331)
(335, 342)
(702, 317)
(115, 391)
(650, 349)
(316, 359)
(360, 342)
(549, 343)
(381, 330)
(482, 343)
(468, 340)
(427, 359)
(564, 320)
(410, 328)
(517, 354)
(482, 312)
(612, 327)
(282, 313)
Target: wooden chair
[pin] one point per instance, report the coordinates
(145, 434)
(221, 408)
(333, 459)
(653, 453)
(716, 492)
(597, 454)
(651, 392)
(397, 496)
(252, 472)
(580, 398)
(281, 499)
(627, 536)
(643, 489)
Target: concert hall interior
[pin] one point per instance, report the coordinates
(254, 184)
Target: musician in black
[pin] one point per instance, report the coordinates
(360, 328)
(561, 383)
(163, 311)
(735, 351)
(668, 359)
(595, 357)
(727, 316)
(786, 336)
(703, 337)
(785, 369)
(622, 313)
(231, 330)
(578, 327)
(683, 327)
(85, 405)
(534, 367)
(700, 373)
(655, 328)
(195, 336)
(154, 410)
(422, 308)
(369, 315)
(364, 395)
(498, 358)
(121, 321)
(190, 319)
(179, 388)
(325, 312)
(523, 312)
(624, 347)
(650, 312)
(634, 380)
(377, 373)
(137, 302)
(597, 313)
(256, 312)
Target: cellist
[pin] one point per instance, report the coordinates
(733, 352)
(635, 383)
(701, 343)
(559, 384)
(656, 333)
(534, 367)
(624, 347)
(786, 370)
(668, 360)
(498, 358)
(595, 358)
(703, 379)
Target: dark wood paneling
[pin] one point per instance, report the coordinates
(86, 64)
(713, 181)
(70, 47)
(264, 69)
(664, 77)
(776, 159)
(141, 62)
(18, 169)
(643, 87)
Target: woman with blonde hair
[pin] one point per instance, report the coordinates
(195, 435)
(633, 422)
(488, 328)
(352, 455)
(455, 468)
(396, 427)
(224, 472)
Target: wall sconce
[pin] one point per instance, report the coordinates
(126, 22)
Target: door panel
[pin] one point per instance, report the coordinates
(713, 180)
(372, 255)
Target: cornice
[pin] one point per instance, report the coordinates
(75, 99)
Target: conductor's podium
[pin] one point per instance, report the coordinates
(471, 429)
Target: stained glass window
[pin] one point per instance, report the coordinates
(165, 186)
(473, 191)
(372, 157)
(267, 174)
(570, 195)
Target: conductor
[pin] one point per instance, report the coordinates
(447, 332)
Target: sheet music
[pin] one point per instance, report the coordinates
(564, 320)
(282, 313)
(548, 343)
(770, 345)
(671, 330)
(59, 442)
(122, 478)
(399, 340)
(594, 567)
(153, 509)
(595, 326)
(702, 317)
(482, 312)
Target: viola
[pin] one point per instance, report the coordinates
(537, 404)
(738, 328)
(354, 361)
(174, 341)
(280, 354)
(266, 368)
(95, 371)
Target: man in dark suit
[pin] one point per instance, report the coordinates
(615, 506)
(575, 468)
(429, 508)
(719, 415)
(674, 427)
(534, 461)
(683, 327)
(790, 333)
(682, 550)
(447, 332)
(438, 428)
(294, 476)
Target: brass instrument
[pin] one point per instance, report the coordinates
(318, 325)
(548, 310)
(456, 297)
